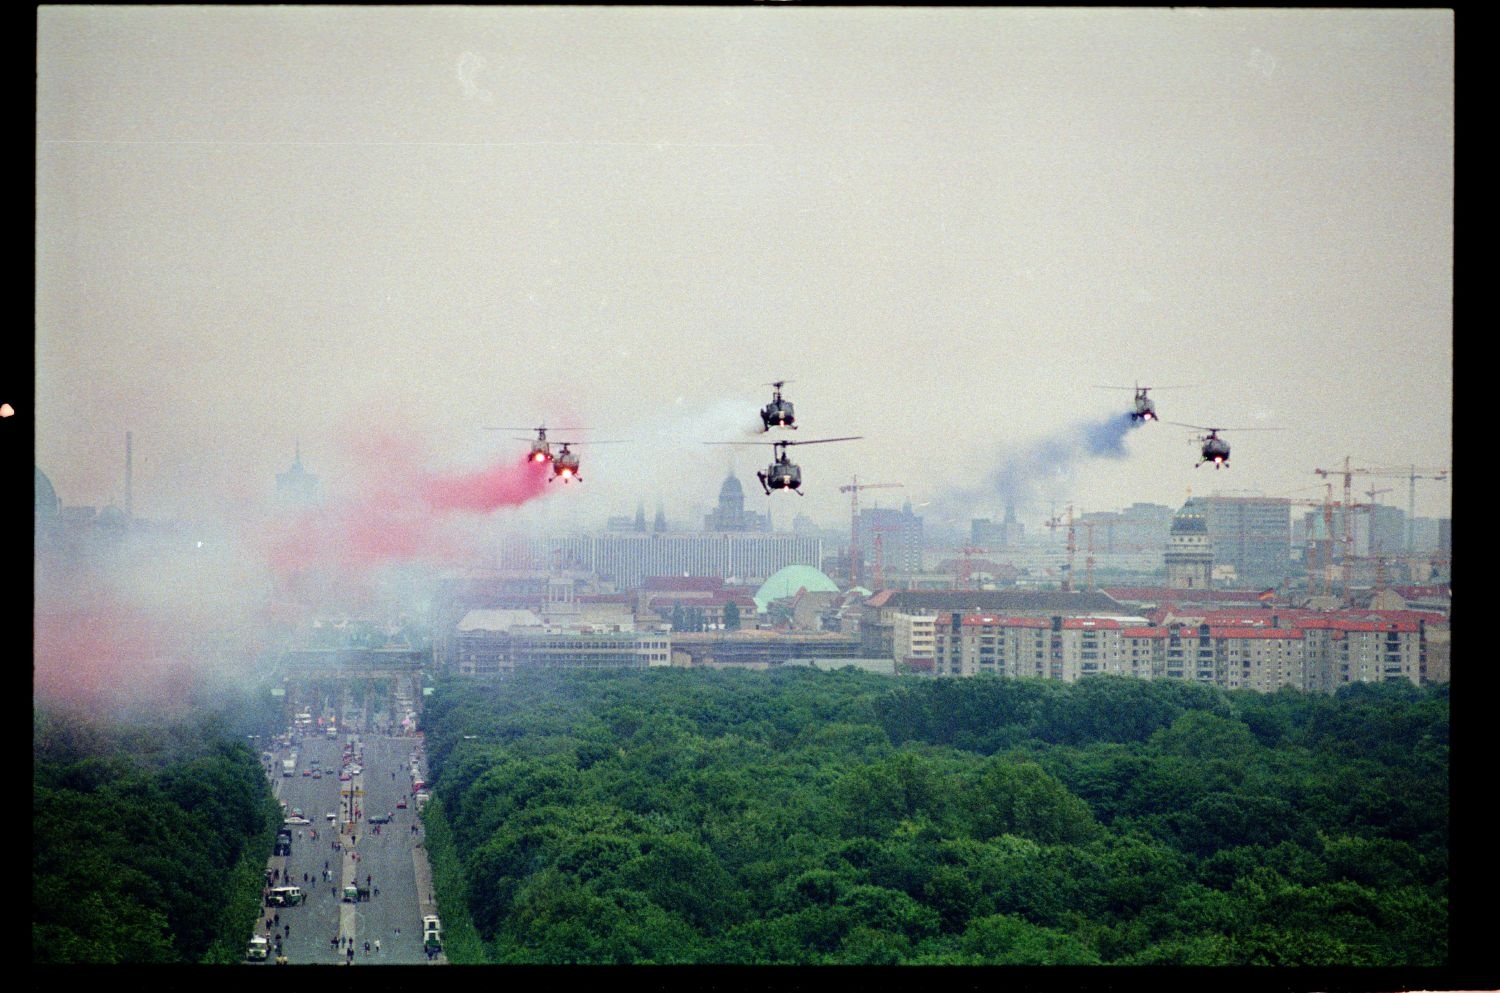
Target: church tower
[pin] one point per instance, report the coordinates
(1189, 558)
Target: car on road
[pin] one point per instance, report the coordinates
(344, 777)
(307, 772)
(401, 804)
(379, 818)
(298, 820)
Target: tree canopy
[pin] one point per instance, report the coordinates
(799, 816)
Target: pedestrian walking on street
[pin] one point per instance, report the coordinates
(377, 946)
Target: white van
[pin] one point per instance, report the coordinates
(258, 949)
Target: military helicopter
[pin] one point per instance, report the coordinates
(1145, 407)
(778, 411)
(541, 449)
(565, 465)
(565, 461)
(783, 473)
(1215, 449)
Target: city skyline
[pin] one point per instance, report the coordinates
(944, 228)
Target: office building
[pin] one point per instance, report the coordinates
(1249, 535)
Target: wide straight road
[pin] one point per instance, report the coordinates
(383, 860)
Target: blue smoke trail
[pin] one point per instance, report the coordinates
(1020, 473)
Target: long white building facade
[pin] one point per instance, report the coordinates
(624, 559)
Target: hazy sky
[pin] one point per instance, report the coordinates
(946, 227)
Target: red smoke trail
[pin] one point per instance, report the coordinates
(489, 489)
(400, 512)
(117, 631)
(104, 655)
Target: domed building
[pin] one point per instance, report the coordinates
(46, 498)
(47, 509)
(789, 582)
(731, 514)
(1189, 558)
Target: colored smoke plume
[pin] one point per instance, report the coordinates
(115, 634)
(157, 615)
(488, 489)
(1020, 475)
(104, 656)
(1022, 472)
(396, 510)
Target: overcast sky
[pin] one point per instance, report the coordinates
(264, 226)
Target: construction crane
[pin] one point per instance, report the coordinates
(1088, 561)
(1325, 543)
(1410, 474)
(1053, 525)
(966, 565)
(880, 533)
(1372, 545)
(1348, 520)
(854, 549)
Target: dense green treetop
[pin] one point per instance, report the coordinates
(137, 831)
(811, 817)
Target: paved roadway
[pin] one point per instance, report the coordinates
(389, 859)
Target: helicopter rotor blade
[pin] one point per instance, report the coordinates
(541, 427)
(819, 441)
(812, 441)
(1200, 427)
(1149, 389)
